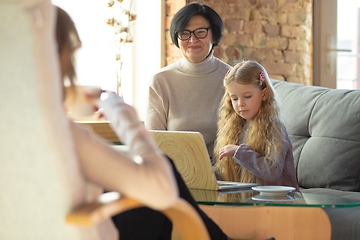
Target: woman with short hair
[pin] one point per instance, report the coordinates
(185, 95)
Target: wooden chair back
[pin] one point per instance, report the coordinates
(185, 219)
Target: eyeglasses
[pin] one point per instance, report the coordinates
(200, 33)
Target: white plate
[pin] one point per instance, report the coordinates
(273, 190)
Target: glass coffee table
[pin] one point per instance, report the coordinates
(249, 197)
(247, 214)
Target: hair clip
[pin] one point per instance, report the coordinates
(227, 72)
(262, 77)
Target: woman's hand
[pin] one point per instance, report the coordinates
(227, 151)
(92, 96)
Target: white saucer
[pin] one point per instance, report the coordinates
(273, 190)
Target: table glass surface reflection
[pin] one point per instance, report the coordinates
(253, 198)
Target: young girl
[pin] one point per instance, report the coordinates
(252, 143)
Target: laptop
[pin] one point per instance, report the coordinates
(190, 156)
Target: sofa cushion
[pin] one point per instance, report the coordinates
(324, 128)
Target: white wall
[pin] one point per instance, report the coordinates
(148, 48)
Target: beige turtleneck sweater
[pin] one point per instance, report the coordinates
(185, 96)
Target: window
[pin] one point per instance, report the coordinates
(96, 58)
(337, 43)
(348, 60)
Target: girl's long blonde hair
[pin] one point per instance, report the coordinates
(265, 133)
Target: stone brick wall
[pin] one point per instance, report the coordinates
(276, 33)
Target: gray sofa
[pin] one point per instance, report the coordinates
(324, 128)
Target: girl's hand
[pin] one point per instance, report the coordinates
(227, 151)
